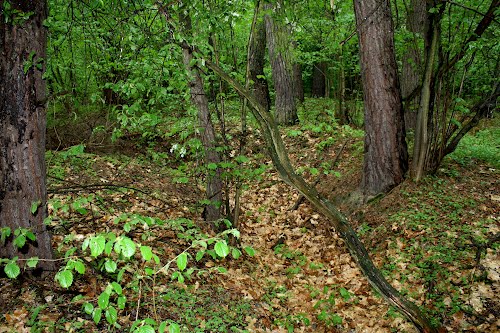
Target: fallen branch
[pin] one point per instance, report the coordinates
(287, 172)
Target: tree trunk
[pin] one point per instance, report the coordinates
(298, 82)
(280, 56)
(256, 59)
(386, 156)
(22, 129)
(436, 133)
(214, 185)
(342, 112)
(421, 146)
(412, 71)
(318, 86)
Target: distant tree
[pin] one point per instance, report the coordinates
(256, 58)
(280, 57)
(319, 78)
(214, 184)
(23, 195)
(386, 156)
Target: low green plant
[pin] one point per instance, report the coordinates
(482, 146)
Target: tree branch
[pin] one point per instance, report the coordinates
(356, 248)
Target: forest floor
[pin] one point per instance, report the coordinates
(434, 241)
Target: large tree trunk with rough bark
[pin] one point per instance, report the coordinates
(280, 56)
(386, 156)
(214, 184)
(256, 59)
(23, 195)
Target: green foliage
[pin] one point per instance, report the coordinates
(482, 146)
(14, 16)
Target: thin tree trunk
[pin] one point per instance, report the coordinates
(421, 146)
(256, 58)
(22, 131)
(298, 82)
(342, 113)
(280, 56)
(214, 185)
(386, 156)
(318, 86)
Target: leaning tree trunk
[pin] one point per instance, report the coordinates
(23, 195)
(386, 156)
(280, 56)
(214, 185)
(357, 250)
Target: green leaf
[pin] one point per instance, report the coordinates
(97, 315)
(110, 266)
(97, 245)
(249, 250)
(212, 166)
(34, 206)
(199, 255)
(103, 300)
(162, 327)
(65, 278)
(182, 261)
(236, 253)
(12, 269)
(222, 270)
(117, 288)
(174, 328)
(108, 247)
(127, 247)
(111, 315)
(242, 159)
(5, 233)
(79, 267)
(146, 329)
(221, 249)
(146, 252)
(32, 262)
(121, 301)
(88, 308)
(31, 236)
(345, 294)
(19, 241)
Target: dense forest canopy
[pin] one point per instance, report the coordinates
(190, 110)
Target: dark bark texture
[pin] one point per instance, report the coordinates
(256, 59)
(199, 99)
(386, 156)
(280, 56)
(22, 129)
(318, 86)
